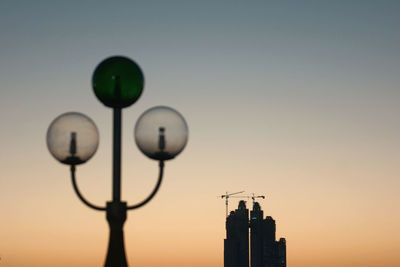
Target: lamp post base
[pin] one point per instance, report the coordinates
(116, 216)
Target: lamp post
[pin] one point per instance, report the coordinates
(161, 133)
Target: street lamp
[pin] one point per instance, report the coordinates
(161, 133)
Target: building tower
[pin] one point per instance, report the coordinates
(256, 235)
(265, 250)
(236, 244)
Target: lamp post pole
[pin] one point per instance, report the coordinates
(116, 210)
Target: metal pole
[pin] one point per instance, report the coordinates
(117, 155)
(116, 216)
(116, 210)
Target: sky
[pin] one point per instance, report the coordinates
(295, 100)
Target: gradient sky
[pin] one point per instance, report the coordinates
(297, 101)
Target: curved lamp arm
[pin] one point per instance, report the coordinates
(138, 205)
(90, 205)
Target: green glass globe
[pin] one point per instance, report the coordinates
(118, 82)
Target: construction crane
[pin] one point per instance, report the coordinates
(252, 196)
(227, 196)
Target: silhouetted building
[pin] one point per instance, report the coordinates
(256, 224)
(265, 250)
(236, 244)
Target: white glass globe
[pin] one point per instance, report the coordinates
(161, 133)
(72, 138)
